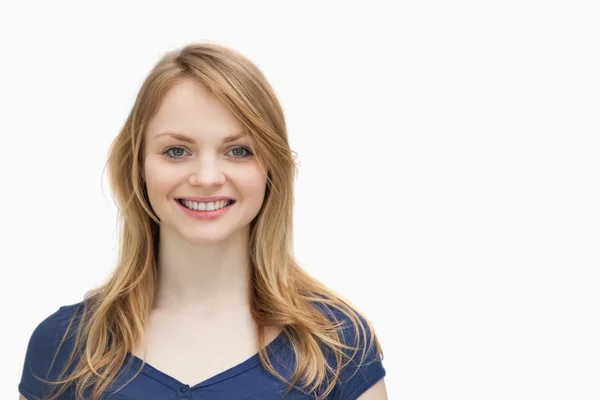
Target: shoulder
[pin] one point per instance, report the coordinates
(362, 365)
(48, 333)
(40, 360)
(353, 327)
(54, 323)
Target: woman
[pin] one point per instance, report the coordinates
(206, 301)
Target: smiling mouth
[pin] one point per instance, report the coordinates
(210, 206)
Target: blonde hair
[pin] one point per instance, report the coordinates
(115, 314)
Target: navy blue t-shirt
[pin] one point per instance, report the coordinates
(248, 380)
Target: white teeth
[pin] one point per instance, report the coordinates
(210, 206)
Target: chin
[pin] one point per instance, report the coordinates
(205, 235)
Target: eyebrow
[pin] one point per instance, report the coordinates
(184, 138)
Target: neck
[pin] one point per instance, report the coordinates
(204, 277)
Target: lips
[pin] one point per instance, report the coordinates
(204, 214)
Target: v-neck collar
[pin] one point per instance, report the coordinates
(229, 373)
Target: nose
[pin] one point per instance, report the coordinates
(207, 173)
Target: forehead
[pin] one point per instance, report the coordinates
(190, 108)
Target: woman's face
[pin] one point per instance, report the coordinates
(199, 161)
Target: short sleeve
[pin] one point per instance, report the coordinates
(41, 350)
(364, 369)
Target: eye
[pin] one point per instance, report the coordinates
(239, 152)
(178, 152)
(176, 155)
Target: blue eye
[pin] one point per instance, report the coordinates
(178, 152)
(173, 157)
(244, 148)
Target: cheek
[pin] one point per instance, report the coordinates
(158, 179)
(253, 183)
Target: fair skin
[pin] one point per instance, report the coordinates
(203, 287)
(375, 392)
(203, 265)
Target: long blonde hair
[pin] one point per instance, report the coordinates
(115, 314)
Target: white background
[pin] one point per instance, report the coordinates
(449, 179)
